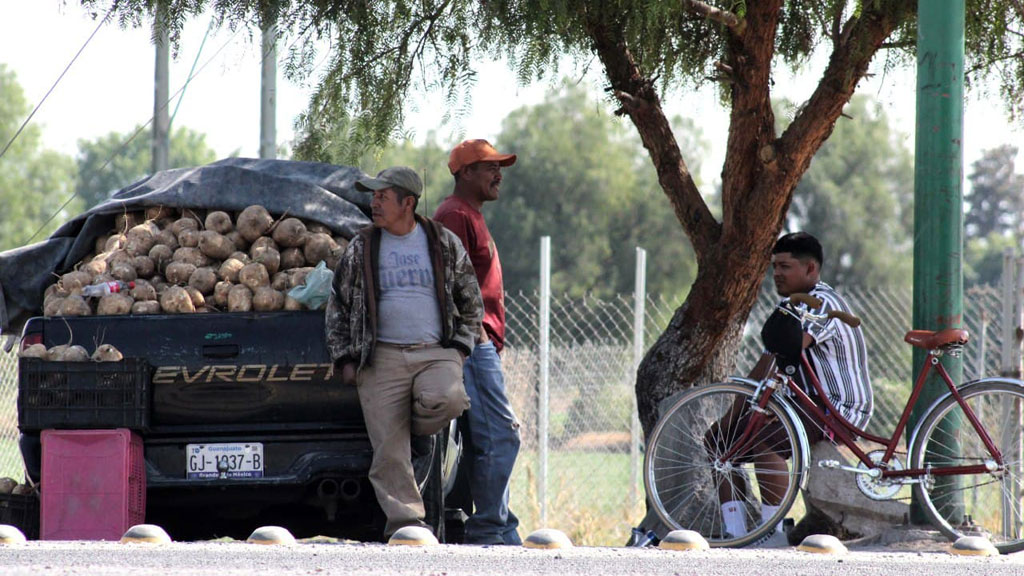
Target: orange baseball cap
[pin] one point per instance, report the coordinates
(473, 151)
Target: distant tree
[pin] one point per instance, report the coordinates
(857, 198)
(580, 179)
(994, 214)
(995, 200)
(109, 163)
(34, 182)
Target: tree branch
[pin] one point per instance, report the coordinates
(992, 61)
(639, 100)
(1019, 5)
(847, 66)
(723, 17)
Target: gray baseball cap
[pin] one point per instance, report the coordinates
(401, 176)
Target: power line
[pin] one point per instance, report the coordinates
(59, 78)
(136, 133)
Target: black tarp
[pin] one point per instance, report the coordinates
(315, 192)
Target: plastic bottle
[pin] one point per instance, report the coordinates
(104, 288)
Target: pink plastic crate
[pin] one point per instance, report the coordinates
(93, 484)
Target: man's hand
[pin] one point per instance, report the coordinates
(482, 337)
(348, 373)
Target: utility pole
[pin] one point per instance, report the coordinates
(268, 92)
(161, 119)
(938, 207)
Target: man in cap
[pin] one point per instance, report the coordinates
(493, 430)
(403, 315)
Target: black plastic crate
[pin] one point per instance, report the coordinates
(83, 395)
(22, 512)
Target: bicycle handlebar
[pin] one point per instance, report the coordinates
(848, 319)
(812, 302)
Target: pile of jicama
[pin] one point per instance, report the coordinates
(186, 261)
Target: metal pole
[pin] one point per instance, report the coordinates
(161, 95)
(1018, 318)
(545, 359)
(1011, 511)
(639, 313)
(938, 207)
(268, 93)
(1009, 323)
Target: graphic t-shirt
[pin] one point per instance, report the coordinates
(408, 311)
(468, 224)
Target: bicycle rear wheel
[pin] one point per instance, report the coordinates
(987, 504)
(683, 478)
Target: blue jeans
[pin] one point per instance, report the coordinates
(494, 444)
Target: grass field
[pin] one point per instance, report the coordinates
(10, 460)
(588, 496)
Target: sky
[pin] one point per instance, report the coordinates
(109, 88)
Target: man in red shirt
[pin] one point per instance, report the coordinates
(493, 434)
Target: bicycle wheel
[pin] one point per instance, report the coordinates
(683, 479)
(986, 504)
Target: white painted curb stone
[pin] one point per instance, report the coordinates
(547, 538)
(683, 540)
(973, 546)
(822, 544)
(413, 536)
(11, 535)
(271, 535)
(145, 534)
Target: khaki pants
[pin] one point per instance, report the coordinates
(406, 390)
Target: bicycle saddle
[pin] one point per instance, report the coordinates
(930, 340)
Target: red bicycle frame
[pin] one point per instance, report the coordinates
(844, 431)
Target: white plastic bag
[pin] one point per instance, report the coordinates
(313, 293)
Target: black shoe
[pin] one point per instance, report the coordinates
(639, 538)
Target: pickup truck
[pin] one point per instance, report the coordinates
(218, 381)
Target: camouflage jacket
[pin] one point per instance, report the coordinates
(351, 322)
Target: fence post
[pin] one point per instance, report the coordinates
(545, 359)
(1018, 317)
(1009, 359)
(639, 313)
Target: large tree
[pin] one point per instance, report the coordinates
(35, 183)
(381, 51)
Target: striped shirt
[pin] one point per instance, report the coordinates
(839, 359)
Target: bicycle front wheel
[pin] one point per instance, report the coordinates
(686, 477)
(989, 503)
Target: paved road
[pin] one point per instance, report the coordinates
(237, 558)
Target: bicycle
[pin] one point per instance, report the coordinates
(964, 461)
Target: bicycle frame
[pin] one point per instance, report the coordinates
(844, 431)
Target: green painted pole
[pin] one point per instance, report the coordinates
(938, 205)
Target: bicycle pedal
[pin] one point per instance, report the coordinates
(832, 464)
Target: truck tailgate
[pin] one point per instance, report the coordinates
(239, 371)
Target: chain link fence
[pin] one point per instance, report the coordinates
(592, 487)
(10, 457)
(593, 473)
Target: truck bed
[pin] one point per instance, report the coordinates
(241, 378)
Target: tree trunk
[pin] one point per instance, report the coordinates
(761, 171)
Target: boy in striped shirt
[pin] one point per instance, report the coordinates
(837, 354)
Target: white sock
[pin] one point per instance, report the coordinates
(767, 510)
(734, 515)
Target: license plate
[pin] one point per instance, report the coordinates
(227, 460)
